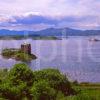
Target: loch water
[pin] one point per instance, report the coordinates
(78, 57)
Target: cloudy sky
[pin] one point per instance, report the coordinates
(41, 14)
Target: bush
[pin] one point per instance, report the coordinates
(18, 55)
(22, 83)
(41, 90)
(23, 57)
(11, 92)
(8, 53)
(21, 73)
(56, 80)
(3, 74)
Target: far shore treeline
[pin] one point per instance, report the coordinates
(49, 33)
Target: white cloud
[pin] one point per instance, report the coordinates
(50, 7)
(54, 9)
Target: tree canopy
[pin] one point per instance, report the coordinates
(22, 83)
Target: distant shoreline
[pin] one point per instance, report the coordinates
(33, 38)
(38, 37)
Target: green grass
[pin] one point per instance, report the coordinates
(86, 91)
(3, 73)
(89, 92)
(18, 55)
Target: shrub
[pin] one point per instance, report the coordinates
(11, 92)
(23, 57)
(41, 90)
(21, 73)
(56, 80)
(22, 83)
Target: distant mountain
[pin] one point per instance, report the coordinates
(50, 32)
(4, 32)
(67, 32)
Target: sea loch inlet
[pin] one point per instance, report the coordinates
(76, 56)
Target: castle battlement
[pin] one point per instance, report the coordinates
(26, 48)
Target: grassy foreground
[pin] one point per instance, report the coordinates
(86, 93)
(21, 83)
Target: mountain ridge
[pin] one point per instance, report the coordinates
(50, 32)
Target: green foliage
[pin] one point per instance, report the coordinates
(41, 90)
(21, 83)
(18, 82)
(56, 80)
(23, 57)
(3, 74)
(86, 95)
(8, 53)
(9, 91)
(60, 96)
(17, 54)
(21, 73)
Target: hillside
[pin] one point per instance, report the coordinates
(49, 32)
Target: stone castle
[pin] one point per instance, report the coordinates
(26, 48)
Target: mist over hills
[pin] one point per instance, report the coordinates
(50, 32)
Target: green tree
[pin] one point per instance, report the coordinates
(21, 73)
(11, 92)
(56, 80)
(23, 57)
(41, 90)
(21, 83)
(18, 82)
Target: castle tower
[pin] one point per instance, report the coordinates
(26, 48)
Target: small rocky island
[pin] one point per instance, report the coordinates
(22, 54)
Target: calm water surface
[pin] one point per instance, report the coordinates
(78, 57)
